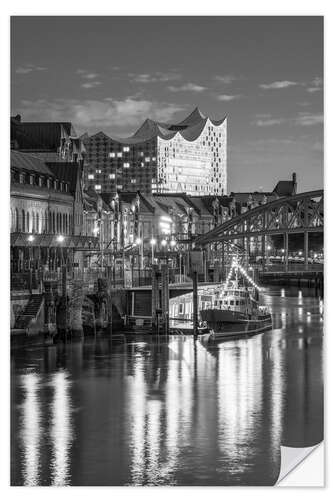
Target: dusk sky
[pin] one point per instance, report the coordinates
(110, 73)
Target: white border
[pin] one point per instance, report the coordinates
(132, 7)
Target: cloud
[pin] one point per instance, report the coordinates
(91, 84)
(157, 76)
(94, 115)
(29, 68)
(317, 81)
(86, 74)
(316, 85)
(314, 89)
(308, 119)
(187, 87)
(303, 119)
(226, 79)
(269, 122)
(228, 97)
(91, 77)
(278, 84)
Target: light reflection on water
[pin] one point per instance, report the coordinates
(61, 431)
(170, 412)
(30, 430)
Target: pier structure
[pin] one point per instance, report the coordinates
(144, 303)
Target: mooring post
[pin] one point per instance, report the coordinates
(154, 296)
(195, 304)
(165, 297)
(110, 314)
(63, 281)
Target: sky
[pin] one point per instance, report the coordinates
(111, 73)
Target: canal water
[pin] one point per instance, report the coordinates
(170, 411)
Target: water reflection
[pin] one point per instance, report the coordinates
(173, 411)
(61, 431)
(31, 430)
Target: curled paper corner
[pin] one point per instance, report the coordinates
(292, 458)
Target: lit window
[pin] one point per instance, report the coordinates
(141, 153)
(133, 181)
(112, 176)
(98, 187)
(91, 176)
(119, 155)
(126, 149)
(112, 155)
(154, 158)
(98, 171)
(119, 186)
(126, 165)
(147, 159)
(142, 164)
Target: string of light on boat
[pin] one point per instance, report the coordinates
(234, 266)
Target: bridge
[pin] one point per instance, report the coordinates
(302, 213)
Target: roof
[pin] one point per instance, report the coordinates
(285, 188)
(243, 197)
(40, 135)
(27, 161)
(190, 129)
(67, 172)
(205, 203)
(193, 118)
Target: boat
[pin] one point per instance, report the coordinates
(236, 311)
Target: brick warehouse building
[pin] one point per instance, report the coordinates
(46, 205)
(188, 157)
(49, 141)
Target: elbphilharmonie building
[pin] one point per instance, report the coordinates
(188, 157)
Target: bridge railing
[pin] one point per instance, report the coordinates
(292, 268)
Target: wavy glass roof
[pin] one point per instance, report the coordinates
(190, 129)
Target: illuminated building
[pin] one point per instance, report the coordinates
(188, 157)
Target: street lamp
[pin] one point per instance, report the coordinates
(152, 243)
(30, 239)
(60, 239)
(173, 243)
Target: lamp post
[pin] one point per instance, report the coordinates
(138, 243)
(31, 238)
(152, 244)
(164, 245)
(60, 240)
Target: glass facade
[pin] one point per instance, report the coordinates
(190, 158)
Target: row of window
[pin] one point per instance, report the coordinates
(46, 222)
(39, 180)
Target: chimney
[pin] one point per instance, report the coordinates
(294, 182)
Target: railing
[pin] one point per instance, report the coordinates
(144, 321)
(299, 267)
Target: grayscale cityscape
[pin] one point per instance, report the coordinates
(166, 248)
